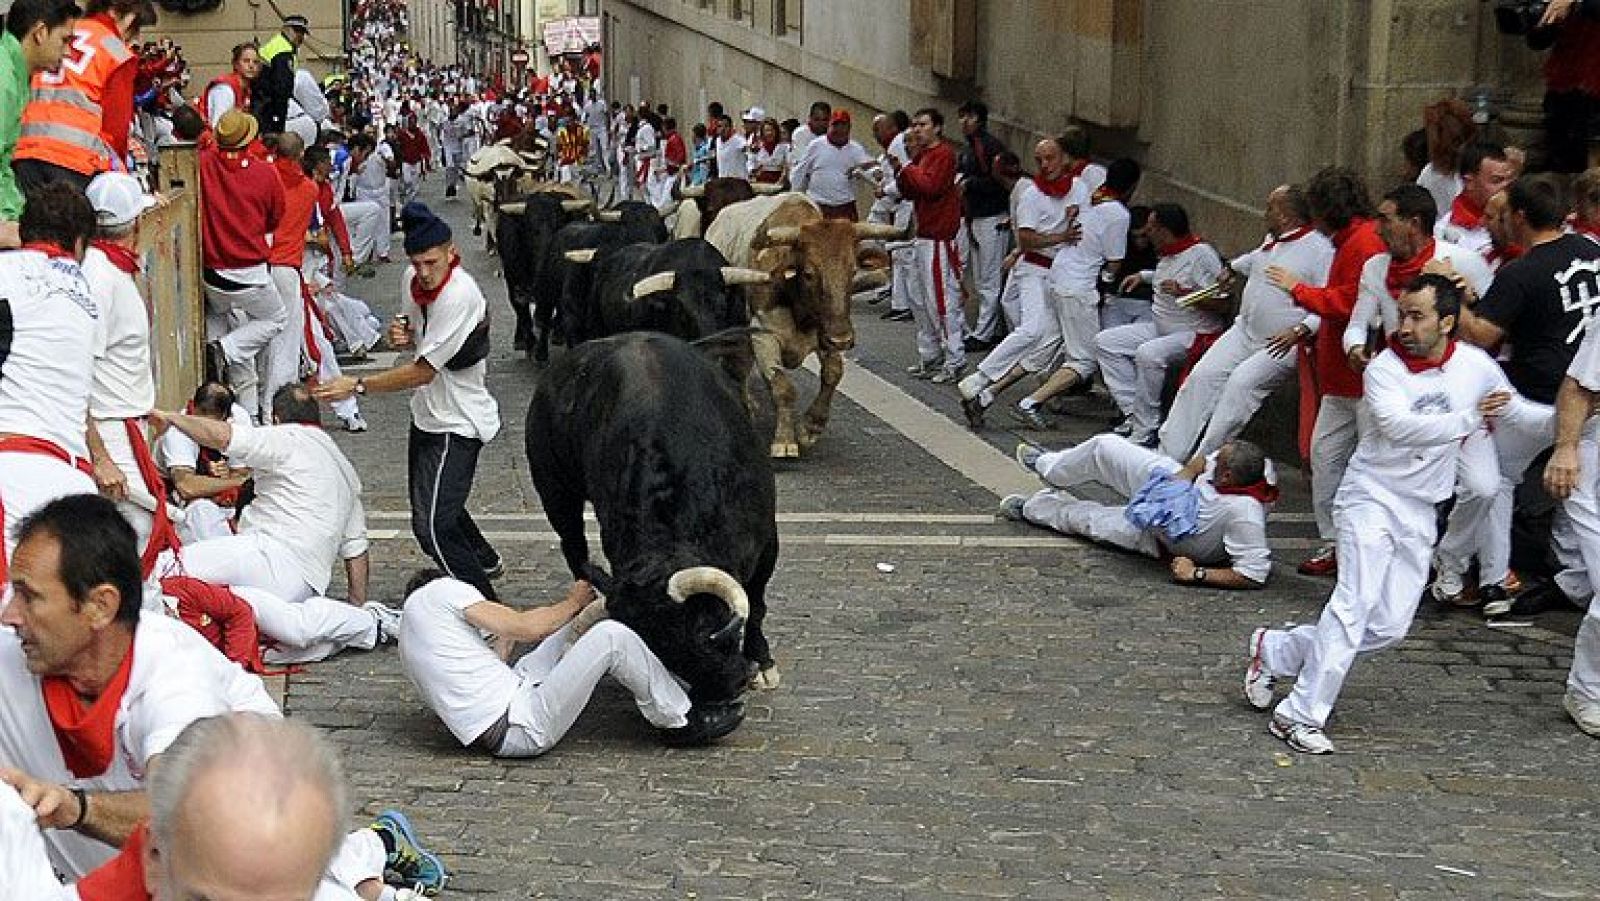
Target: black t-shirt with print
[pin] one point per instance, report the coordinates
(1543, 301)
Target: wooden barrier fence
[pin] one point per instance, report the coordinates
(169, 279)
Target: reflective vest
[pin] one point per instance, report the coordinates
(278, 44)
(241, 95)
(62, 121)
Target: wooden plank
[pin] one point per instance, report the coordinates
(169, 279)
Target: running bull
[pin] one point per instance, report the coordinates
(653, 433)
(684, 288)
(527, 230)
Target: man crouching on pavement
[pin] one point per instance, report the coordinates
(1209, 517)
(523, 709)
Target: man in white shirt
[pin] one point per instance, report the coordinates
(815, 126)
(1222, 541)
(371, 188)
(124, 387)
(48, 320)
(730, 155)
(306, 512)
(1236, 374)
(1423, 396)
(1044, 224)
(308, 108)
(889, 208)
(1485, 172)
(445, 316)
(596, 117)
(523, 709)
(1134, 358)
(828, 171)
(202, 480)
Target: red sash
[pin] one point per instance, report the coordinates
(27, 444)
(86, 732)
(163, 534)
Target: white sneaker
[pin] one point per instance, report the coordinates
(1011, 507)
(1257, 681)
(1584, 712)
(972, 385)
(948, 375)
(388, 620)
(355, 424)
(1303, 737)
(1027, 456)
(1447, 586)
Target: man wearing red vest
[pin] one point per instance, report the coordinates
(929, 182)
(77, 119)
(231, 90)
(47, 327)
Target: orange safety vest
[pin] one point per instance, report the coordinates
(241, 95)
(62, 121)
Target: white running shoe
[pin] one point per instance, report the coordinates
(388, 620)
(1303, 737)
(1257, 681)
(1584, 712)
(355, 424)
(1011, 507)
(1447, 587)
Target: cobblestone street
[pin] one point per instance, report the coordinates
(1005, 713)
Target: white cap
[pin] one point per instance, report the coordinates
(117, 198)
(755, 114)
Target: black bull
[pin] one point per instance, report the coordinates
(684, 288)
(524, 241)
(654, 434)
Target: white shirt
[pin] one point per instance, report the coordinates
(1193, 268)
(177, 678)
(308, 496)
(218, 101)
(826, 172)
(1265, 309)
(177, 449)
(800, 139)
(46, 378)
(731, 161)
(308, 99)
(124, 386)
(1585, 370)
(457, 403)
(1076, 267)
(1444, 186)
(454, 669)
(885, 177)
(1476, 240)
(1092, 176)
(1406, 458)
(1228, 526)
(1372, 295)
(644, 140)
(761, 160)
(372, 180)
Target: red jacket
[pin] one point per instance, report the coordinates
(299, 203)
(929, 182)
(1355, 244)
(413, 146)
(243, 203)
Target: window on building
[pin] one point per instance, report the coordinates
(787, 16)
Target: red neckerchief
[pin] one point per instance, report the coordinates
(1104, 193)
(1263, 491)
(1401, 272)
(86, 733)
(1289, 238)
(1421, 364)
(53, 251)
(423, 297)
(1179, 245)
(1466, 212)
(122, 877)
(1497, 255)
(120, 257)
(1076, 169)
(1054, 187)
(769, 146)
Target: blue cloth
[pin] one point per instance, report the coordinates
(1171, 506)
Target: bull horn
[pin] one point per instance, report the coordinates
(782, 235)
(608, 216)
(878, 231)
(514, 209)
(576, 206)
(738, 275)
(765, 189)
(692, 191)
(580, 256)
(650, 284)
(867, 279)
(709, 580)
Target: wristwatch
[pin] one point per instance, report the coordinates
(361, 387)
(1199, 575)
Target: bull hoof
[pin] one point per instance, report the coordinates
(767, 679)
(782, 450)
(477, 231)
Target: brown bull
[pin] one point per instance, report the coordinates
(806, 308)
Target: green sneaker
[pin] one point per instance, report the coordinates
(416, 867)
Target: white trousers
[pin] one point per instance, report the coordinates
(1134, 360)
(902, 255)
(361, 857)
(1011, 300)
(936, 302)
(1333, 441)
(1221, 395)
(311, 629)
(381, 228)
(1035, 334)
(410, 181)
(1078, 328)
(252, 317)
(988, 256)
(1116, 311)
(279, 363)
(137, 509)
(368, 224)
(1577, 540)
(1480, 523)
(246, 560)
(1383, 567)
(1109, 460)
(203, 519)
